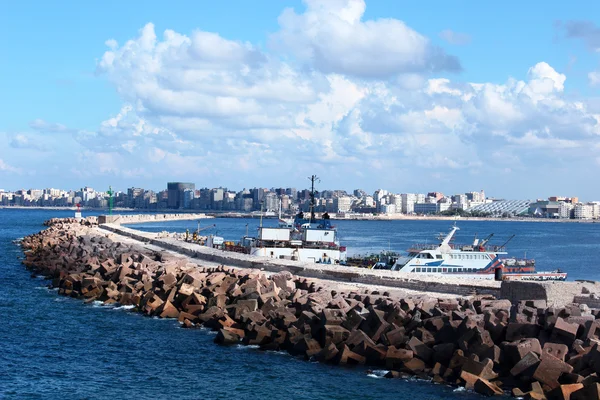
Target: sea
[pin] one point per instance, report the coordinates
(53, 347)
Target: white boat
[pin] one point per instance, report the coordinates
(309, 240)
(300, 239)
(478, 260)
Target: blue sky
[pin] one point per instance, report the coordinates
(411, 97)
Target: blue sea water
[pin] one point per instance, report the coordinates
(54, 347)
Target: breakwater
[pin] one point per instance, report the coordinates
(140, 218)
(488, 345)
(333, 272)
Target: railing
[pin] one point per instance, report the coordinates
(454, 246)
(420, 247)
(518, 262)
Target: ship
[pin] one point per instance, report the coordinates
(303, 238)
(477, 260)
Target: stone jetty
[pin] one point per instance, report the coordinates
(493, 346)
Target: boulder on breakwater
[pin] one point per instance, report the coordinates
(488, 345)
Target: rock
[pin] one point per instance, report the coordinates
(588, 392)
(550, 369)
(483, 369)
(420, 349)
(526, 366)
(518, 349)
(563, 392)
(486, 388)
(394, 357)
(565, 331)
(228, 336)
(557, 350)
(347, 356)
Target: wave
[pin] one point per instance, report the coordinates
(250, 346)
(378, 373)
(128, 307)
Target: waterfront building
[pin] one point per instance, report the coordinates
(565, 210)
(408, 202)
(396, 200)
(583, 211)
(502, 208)
(388, 208)
(476, 197)
(595, 209)
(571, 200)
(175, 193)
(342, 204)
(271, 202)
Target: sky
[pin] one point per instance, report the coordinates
(401, 95)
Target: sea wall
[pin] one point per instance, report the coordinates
(555, 293)
(311, 270)
(486, 345)
(139, 218)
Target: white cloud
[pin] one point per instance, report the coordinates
(228, 106)
(594, 78)
(21, 141)
(4, 167)
(332, 37)
(44, 126)
(203, 108)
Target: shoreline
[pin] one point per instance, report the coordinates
(381, 217)
(488, 345)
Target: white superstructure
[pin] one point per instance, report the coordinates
(477, 260)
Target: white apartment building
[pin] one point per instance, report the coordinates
(342, 204)
(564, 209)
(396, 200)
(408, 202)
(583, 211)
(388, 209)
(595, 209)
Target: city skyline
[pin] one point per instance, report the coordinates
(364, 94)
(319, 187)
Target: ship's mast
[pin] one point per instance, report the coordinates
(312, 178)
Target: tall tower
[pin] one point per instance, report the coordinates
(110, 200)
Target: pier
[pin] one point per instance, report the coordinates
(527, 338)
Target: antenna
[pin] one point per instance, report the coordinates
(312, 179)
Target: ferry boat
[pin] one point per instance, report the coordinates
(478, 260)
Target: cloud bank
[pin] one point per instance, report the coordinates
(367, 102)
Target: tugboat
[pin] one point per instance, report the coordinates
(301, 239)
(478, 260)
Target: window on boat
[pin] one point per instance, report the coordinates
(444, 269)
(428, 269)
(438, 256)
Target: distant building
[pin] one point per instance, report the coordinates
(408, 202)
(342, 204)
(175, 193)
(583, 211)
(572, 200)
(503, 207)
(432, 207)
